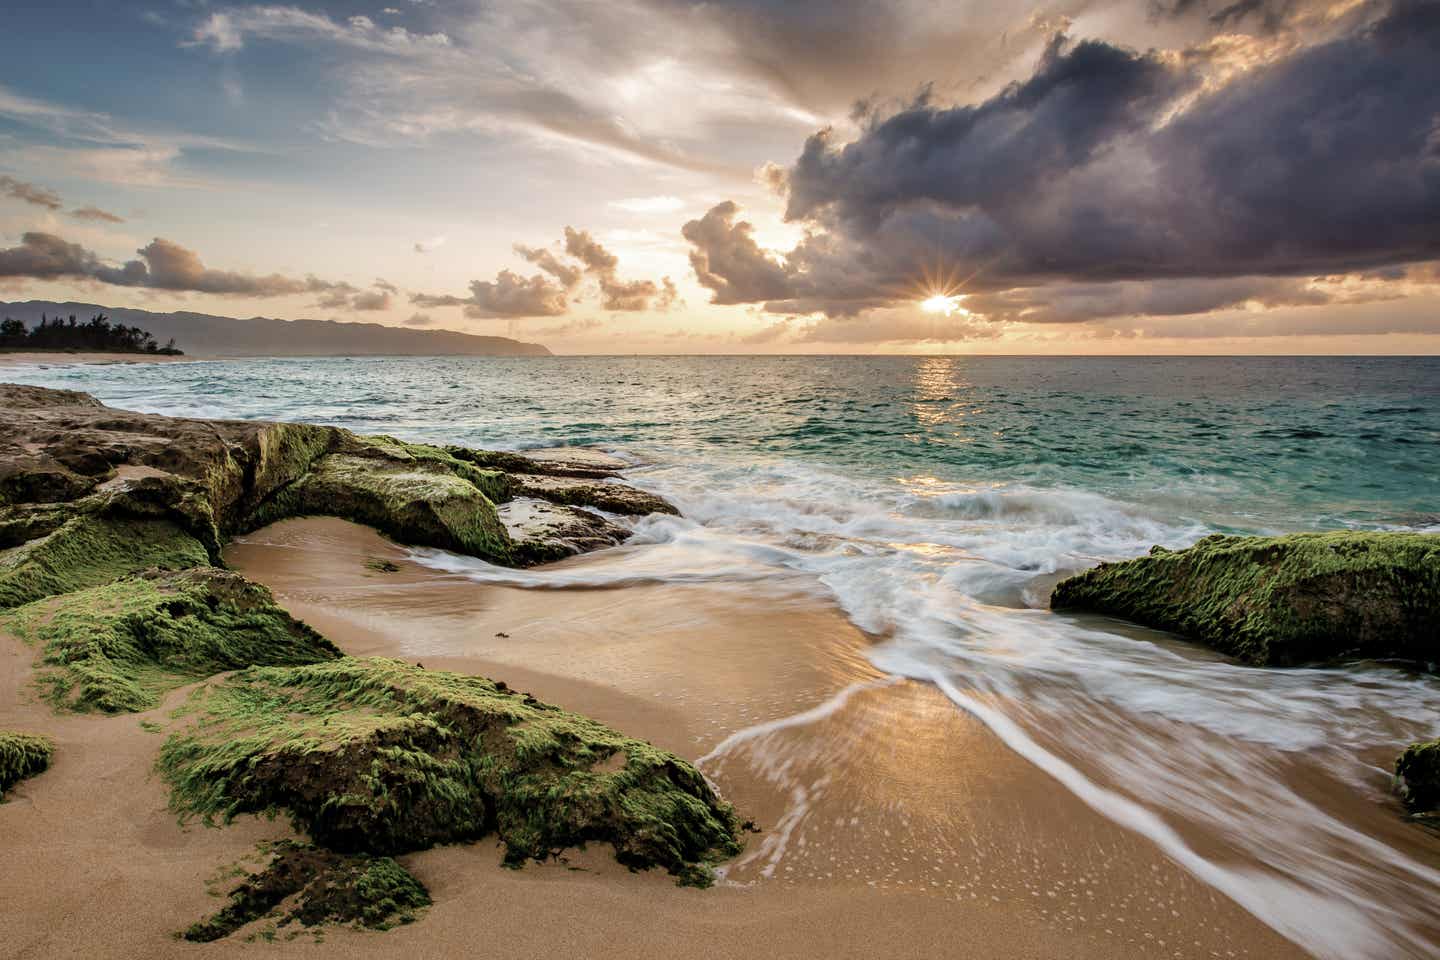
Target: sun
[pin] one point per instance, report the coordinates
(947, 304)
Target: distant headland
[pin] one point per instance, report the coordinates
(203, 334)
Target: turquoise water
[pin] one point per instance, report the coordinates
(936, 501)
(1255, 443)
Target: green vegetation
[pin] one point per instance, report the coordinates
(1281, 601)
(88, 550)
(314, 887)
(382, 757)
(22, 755)
(121, 646)
(415, 502)
(495, 484)
(97, 334)
(111, 526)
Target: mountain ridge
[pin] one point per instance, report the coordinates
(206, 334)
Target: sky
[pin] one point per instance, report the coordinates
(740, 176)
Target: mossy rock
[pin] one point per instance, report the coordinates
(494, 483)
(22, 755)
(86, 550)
(416, 502)
(1281, 601)
(1417, 776)
(121, 646)
(315, 887)
(382, 757)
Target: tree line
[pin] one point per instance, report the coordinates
(97, 333)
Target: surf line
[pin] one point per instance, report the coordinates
(1240, 886)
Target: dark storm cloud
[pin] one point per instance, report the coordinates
(1111, 165)
(30, 193)
(549, 293)
(162, 265)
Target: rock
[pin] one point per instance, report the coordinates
(1281, 601)
(79, 481)
(22, 755)
(543, 532)
(305, 884)
(87, 550)
(111, 527)
(611, 497)
(381, 757)
(119, 647)
(1417, 776)
(417, 503)
(578, 462)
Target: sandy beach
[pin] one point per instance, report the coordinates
(940, 843)
(31, 358)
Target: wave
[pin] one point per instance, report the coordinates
(950, 578)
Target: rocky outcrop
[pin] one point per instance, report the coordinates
(22, 755)
(96, 476)
(1417, 777)
(312, 886)
(120, 646)
(543, 532)
(381, 757)
(111, 526)
(1281, 601)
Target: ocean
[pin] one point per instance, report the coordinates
(937, 500)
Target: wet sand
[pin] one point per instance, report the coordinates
(892, 824)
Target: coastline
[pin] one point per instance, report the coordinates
(965, 849)
(764, 684)
(946, 838)
(28, 358)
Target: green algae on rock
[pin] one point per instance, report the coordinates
(64, 455)
(1417, 776)
(381, 757)
(87, 550)
(119, 647)
(414, 502)
(22, 755)
(1281, 601)
(305, 884)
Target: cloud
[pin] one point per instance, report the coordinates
(661, 204)
(30, 193)
(815, 276)
(90, 145)
(229, 30)
(508, 295)
(568, 274)
(550, 292)
(1108, 165)
(428, 246)
(418, 320)
(162, 265)
(96, 215)
(727, 259)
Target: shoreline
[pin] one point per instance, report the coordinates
(950, 817)
(964, 846)
(27, 358)
(876, 797)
